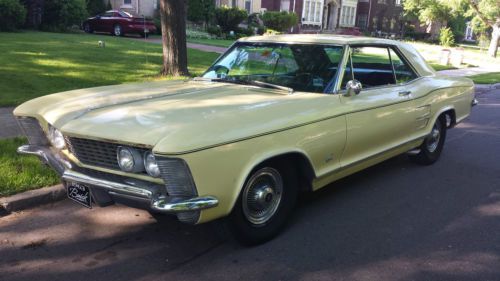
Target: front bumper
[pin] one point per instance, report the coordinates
(106, 189)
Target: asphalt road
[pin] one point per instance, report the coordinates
(394, 221)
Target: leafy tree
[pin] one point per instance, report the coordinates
(488, 12)
(173, 34)
(201, 11)
(427, 11)
(61, 14)
(95, 7)
(485, 13)
(12, 15)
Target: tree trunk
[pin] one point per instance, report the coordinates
(495, 36)
(173, 34)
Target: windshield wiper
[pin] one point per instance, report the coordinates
(247, 82)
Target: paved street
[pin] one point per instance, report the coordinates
(394, 221)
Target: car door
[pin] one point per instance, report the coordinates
(382, 116)
(106, 22)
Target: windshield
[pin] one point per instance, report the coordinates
(125, 14)
(301, 67)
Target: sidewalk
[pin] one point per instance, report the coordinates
(201, 47)
(8, 124)
(468, 71)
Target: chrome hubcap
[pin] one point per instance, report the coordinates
(118, 30)
(433, 138)
(262, 196)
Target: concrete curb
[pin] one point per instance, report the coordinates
(32, 198)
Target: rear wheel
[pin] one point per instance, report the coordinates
(117, 30)
(86, 28)
(265, 203)
(430, 150)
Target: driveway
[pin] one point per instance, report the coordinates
(394, 221)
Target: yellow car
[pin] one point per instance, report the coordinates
(273, 116)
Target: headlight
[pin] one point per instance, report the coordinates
(129, 159)
(151, 165)
(56, 138)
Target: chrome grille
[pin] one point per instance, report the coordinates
(33, 131)
(95, 153)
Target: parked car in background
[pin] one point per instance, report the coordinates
(119, 23)
(273, 116)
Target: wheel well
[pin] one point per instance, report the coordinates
(450, 116)
(300, 162)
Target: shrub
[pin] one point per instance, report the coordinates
(196, 34)
(280, 21)
(229, 18)
(12, 15)
(446, 37)
(215, 30)
(59, 15)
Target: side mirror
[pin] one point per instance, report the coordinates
(353, 88)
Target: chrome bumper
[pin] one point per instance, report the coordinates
(474, 102)
(162, 204)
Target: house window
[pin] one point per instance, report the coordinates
(127, 2)
(248, 5)
(382, 1)
(397, 2)
(361, 1)
(347, 16)
(285, 5)
(362, 21)
(312, 12)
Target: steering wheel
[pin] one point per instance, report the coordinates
(308, 80)
(221, 71)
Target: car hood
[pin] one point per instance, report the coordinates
(174, 116)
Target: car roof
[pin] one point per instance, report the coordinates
(319, 38)
(416, 60)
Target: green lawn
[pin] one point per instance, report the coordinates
(39, 63)
(486, 78)
(212, 42)
(19, 173)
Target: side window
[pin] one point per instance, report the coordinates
(403, 72)
(372, 66)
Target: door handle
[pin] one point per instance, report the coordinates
(404, 93)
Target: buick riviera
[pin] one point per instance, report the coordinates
(272, 117)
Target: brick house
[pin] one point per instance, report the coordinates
(314, 15)
(380, 16)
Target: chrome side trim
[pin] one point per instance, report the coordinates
(44, 153)
(193, 204)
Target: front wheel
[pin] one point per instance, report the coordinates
(265, 203)
(117, 30)
(431, 148)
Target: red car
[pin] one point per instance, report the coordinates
(118, 23)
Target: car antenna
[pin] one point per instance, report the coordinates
(145, 38)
